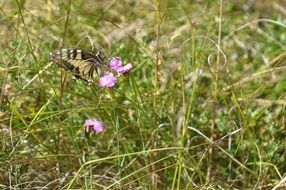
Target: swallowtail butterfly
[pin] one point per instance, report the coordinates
(82, 63)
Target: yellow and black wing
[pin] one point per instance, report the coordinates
(82, 63)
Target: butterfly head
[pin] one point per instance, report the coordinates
(100, 56)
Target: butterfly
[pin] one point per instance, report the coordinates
(82, 63)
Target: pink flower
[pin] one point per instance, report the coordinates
(115, 63)
(107, 79)
(124, 69)
(96, 124)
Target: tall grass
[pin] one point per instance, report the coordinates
(202, 108)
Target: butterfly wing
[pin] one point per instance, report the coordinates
(80, 62)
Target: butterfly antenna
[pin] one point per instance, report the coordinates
(90, 40)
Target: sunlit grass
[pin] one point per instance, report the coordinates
(203, 106)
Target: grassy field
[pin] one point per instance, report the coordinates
(204, 106)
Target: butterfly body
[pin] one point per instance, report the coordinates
(82, 63)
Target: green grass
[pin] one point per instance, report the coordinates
(202, 108)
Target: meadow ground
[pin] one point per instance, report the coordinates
(202, 108)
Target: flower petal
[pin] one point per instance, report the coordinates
(98, 126)
(124, 69)
(89, 122)
(107, 80)
(115, 63)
